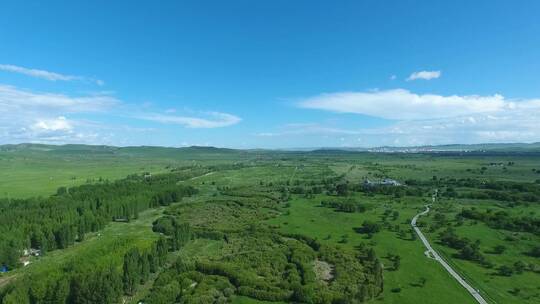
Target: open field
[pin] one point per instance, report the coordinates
(40, 169)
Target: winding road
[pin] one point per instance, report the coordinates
(437, 257)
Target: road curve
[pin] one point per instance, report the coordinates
(437, 257)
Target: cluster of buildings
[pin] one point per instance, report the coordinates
(384, 182)
(25, 258)
(27, 253)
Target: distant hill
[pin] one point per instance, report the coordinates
(73, 149)
(107, 149)
(75, 152)
(493, 147)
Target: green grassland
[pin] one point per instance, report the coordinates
(308, 217)
(496, 286)
(32, 170)
(248, 208)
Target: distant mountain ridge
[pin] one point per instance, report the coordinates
(104, 149)
(496, 147)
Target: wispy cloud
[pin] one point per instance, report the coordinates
(51, 76)
(308, 129)
(425, 75)
(47, 75)
(213, 120)
(18, 101)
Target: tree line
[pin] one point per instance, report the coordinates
(98, 285)
(60, 220)
(83, 284)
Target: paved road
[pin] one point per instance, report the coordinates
(437, 257)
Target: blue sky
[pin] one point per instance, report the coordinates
(269, 74)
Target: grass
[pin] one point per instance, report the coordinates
(33, 170)
(23, 176)
(496, 287)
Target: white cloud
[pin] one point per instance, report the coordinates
(214, 120)
(393, 77)
(14, 100)
(56, 124)
(28, 116)
(401, 104)
(47, 75)
(422, 119)
(56, 130)
(425, 75)
(516, 125)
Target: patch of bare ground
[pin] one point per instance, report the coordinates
(323, 271)
(5, 279)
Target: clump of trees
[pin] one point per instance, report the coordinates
(271, 267)
(139, 264)
(467, 250)
(180, 233)
(349, 206)
(503, 220)
(391, 190)
(535, 252)
(507, 191)
(369, 228)
(395, 260)
(499, 249)
(518, 267)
